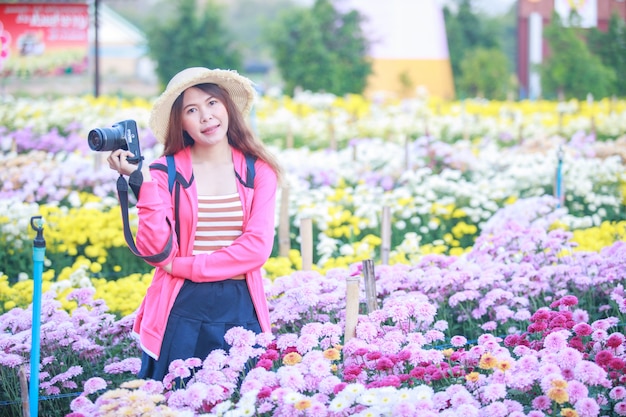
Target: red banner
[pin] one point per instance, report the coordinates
(43, 38)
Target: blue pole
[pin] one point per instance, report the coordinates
(559, 178)
(39, 251)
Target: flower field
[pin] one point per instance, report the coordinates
(503, 293)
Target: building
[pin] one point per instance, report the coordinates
(409, 49)
(122, 47)
(534, 15)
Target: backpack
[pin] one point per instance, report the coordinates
(174, 178)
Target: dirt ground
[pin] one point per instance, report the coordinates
(76, 85)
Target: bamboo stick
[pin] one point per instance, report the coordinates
(385, 233)
(407, 153)
(289, 138)
(370, 285)
(352, 307)
(284, 242)
(332, 136)
(306, 243)
(24, 389)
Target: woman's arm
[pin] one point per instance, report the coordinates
(154, 207)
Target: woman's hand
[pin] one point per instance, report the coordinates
(168, 268)
(118, 162)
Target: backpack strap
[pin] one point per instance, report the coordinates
(250, 172)
(174, 179)
(171, 172)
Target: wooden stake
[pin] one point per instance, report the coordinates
(289, 138)
(370, 285)
(385, 233)
(407, 154)
(593, 125)
(332, 137)
(24, 388)
(352, 307)
(306, 243)
(284, 241)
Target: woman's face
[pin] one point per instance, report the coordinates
(204, 117)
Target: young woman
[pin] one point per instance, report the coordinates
(211, 281)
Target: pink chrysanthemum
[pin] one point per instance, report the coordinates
(94, 384)
(618, 393)
(587, 407)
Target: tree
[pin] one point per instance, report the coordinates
(187, 36)
(571, 70)
(467, 34)
(320, 49)
(611, 48)
(247, 18)
(484, 73)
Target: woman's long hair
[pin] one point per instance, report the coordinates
(239, 134)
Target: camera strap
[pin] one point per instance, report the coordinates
(175, 180)
(135, 179)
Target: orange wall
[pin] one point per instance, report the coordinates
(433, 74)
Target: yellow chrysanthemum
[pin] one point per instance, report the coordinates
(332, 354)
(292, 358)
(472, 377)
(487, 361)
(558, 395)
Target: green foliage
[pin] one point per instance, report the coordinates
(571, 70)
(610, 46)
(484, 73)
(247, 20)
(320, 49)
(192, 35)
(469, 36)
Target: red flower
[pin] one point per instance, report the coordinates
(617, 364)
(265, 392)
(569, 300)
(384, 364)
(418, 372)
(270, 354)
(265, 363)
(583, 329)
(339, 387)
(541, 314)
(512, 340)
(576, 342)
(603, 358)
(615, 340)
(372, 356)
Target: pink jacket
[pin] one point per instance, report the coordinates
(246, 255)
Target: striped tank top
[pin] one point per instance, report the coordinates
(220, 220)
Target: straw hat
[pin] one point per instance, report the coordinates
(239, 88)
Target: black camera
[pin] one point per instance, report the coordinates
(122, 135)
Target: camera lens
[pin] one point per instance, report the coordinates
(95, 140)
(107, 139)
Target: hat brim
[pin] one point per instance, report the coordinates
(239, 88)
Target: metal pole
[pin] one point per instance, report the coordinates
(96, 51)
(39, 251)
(559, 178)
